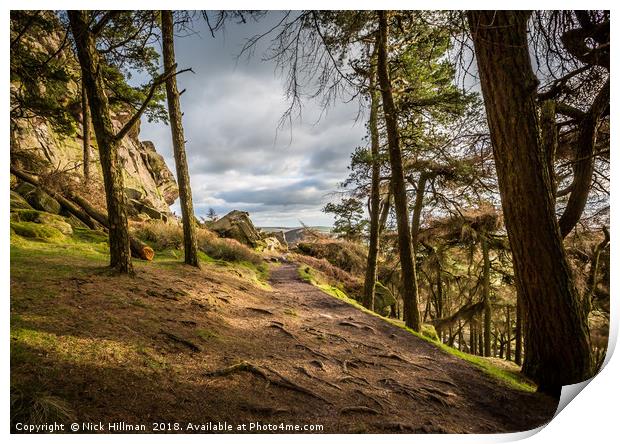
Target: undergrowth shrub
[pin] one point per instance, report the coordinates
(336, 276)
(229, 250)
(346, 255)
(160, 235)
(31, 407)
(163, 236)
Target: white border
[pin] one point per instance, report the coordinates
(591, 418)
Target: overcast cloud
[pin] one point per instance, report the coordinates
(237, 157)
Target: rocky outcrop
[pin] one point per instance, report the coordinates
(40, 146)
(148, 180)
(18, 202)
(272, 244)
(383, 299)
(238, 225)
(38, 199)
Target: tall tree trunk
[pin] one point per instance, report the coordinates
(416, 214)
(486, 290)
(399, 189)
(385, 211)
(373, 247)
(472, 336)
(86, 134)
(519, 333)
(439, 284)
(178, 142)
(92, 78)
(480, 342)
(508, 334)
(557, 333)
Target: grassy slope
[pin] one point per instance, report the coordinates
(503, 371)
(50, 326)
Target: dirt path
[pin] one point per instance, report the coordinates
(351, 371)
(176, 345)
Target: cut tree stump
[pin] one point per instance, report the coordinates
(140, 249)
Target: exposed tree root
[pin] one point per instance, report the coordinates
(348, 324)
(282, 329)
(428, 393)
(265, 410)
(314, 352)
(311, 376)
(354, 379)
(287, 383)
(322, 334)
(359, 409)
(443, 381)
(399, 358)
(345, 368)
(438, 395)
(280, 326)
(392, 356)
(370, 329)
(394, 426)
(319, 364)
(397, 387)
(367, 363)
(283, 382)
(372, 398)
(259, 310)
(185, 342)
(240, 367)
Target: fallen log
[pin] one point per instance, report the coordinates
(87, 213)
(140, 249)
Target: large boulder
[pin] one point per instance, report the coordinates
(237, 225)
(40, 217)
(18, 202)
(383, 299)
(273, 244)
(38, 198)
(140, 208)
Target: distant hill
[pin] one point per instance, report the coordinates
(296, 234)
(319, 228)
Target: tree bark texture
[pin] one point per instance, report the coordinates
(399, 190)
(86, 134)
(190, 245)
(373, 246)
(557, 333)
(92, 78)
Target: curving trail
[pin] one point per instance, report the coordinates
(326, 362)
(177, 345)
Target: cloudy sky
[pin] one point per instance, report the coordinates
(238, 159)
